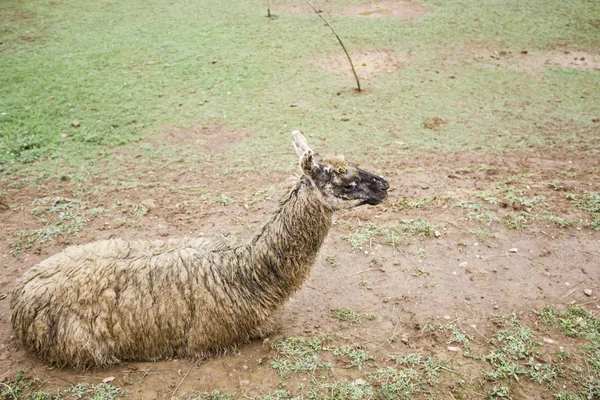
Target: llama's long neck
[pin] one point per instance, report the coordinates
(284, 250)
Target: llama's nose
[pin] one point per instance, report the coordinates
(384, 185)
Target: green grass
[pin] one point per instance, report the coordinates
(512, 361)
(102, 391)
(345, 314)
(332, 262)
(412, 375)
(124, 70)
(355, 355)
(457, 335)
(59, 216)
(22, 387)
(296, 354)
(212, 395)
(512, 202)
(396, 235)
(590, 202)
(341, 390)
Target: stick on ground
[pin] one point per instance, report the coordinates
(339, 40)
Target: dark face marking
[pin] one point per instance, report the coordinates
(341, 185)
(345, 186)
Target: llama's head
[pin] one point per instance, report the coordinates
(341, 184)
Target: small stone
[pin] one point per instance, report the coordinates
(446, 317)
(109, 379)
(454, 348)
(548, 340)
(496, 306)
(513, 250)
(244, 367)
(64, 136)
(434, 122)
(437, 233)
(245, 382)
(463, 264)
(149, 204)
(75, 123)
(149, 395)
(588, 292)
(359, 381)
(404, 338)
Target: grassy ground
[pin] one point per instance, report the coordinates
(124, 70)
(515, 353)
(87, 88)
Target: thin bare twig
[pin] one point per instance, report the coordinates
(511, 261)
(588, 302)
(10, 389)
(181, 381)
(583, 251)
(339, 40)
(572, 290)
(360, 272)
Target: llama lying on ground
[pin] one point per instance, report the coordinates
(116, 300)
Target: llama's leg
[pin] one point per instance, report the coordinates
(75, 344)
(267, 328)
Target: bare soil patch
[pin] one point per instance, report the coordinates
(406, 10)
(536, 61)
(209, 139)
(366, 63)
(526, 60)
(459, 274)
(387, 9)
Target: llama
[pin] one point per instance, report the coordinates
(114, 300)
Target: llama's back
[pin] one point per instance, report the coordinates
(112, 300)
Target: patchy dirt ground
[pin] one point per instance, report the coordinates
(366, 63)
(460, 269)
(397, 9)
(526, 60)
(382, 9)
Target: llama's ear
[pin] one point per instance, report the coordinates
(307, 163)
(300, 143)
